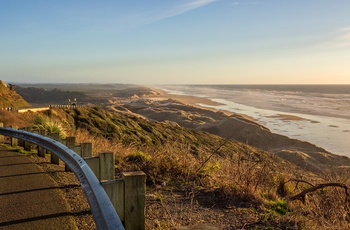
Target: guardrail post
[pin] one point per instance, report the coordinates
(14, 141)
(86, 149)
(107, 166)
(70, 142)
(76, 149)
(55, 159)
(94, 164)
(27, 145)
(41, 150)
(115, 192)
(2, 138)
(134, 200)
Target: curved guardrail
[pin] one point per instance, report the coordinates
(102, 209)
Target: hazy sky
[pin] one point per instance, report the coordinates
(175, 41)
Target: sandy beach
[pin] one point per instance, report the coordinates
(208, 104)
(198, 102)
(288, 117)
(186, 99)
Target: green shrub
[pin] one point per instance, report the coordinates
(279, 206)
(138, 157)
(49, 125)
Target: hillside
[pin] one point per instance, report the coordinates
(196, 177)
(84, 91)
(44, 97)
(44, 94)
(10, 98)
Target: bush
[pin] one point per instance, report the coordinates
(138, 157)
(279, 206)
(49, 125)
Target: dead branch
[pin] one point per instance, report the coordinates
(301, 196)
(212, 154)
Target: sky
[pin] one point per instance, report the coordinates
(175, 41)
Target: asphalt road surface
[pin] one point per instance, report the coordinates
(29, 197)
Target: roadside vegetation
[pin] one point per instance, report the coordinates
(196, 178)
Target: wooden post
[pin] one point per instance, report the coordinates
(62, 141)
(70, 142)
(2, 138)
(107, 166)
(41, 150)
(115, 192)
(14, 141)
(76, 149)
(27, 144)
(94, 164)
(86, 149)
(134, 200)
(55, 159)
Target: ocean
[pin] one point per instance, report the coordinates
(319, 114)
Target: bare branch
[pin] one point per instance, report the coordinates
(214, 152)
(301, 196)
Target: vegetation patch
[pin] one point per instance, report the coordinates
(138, 157)
(278, 206)
(50, 125)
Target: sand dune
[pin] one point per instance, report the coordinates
(186, 111)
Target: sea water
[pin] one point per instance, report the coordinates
(319, 114)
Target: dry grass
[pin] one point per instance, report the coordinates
(179, 194)
(183, 191)
(17, 119)
(186, 188)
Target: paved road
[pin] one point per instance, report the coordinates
(29, 197)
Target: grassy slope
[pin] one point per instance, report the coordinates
(10, 98)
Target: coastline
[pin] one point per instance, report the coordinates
(319, 129)
(209, 104)
(273, 98)
(194, 101)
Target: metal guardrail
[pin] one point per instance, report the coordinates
(28, 108)
(102, 209)
(72, 106)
